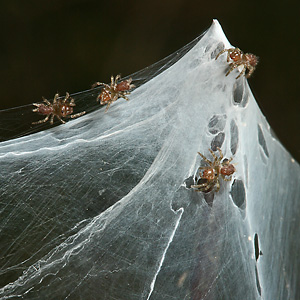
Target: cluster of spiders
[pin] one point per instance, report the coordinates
(247, 60)
(210, 175)
(63, 108)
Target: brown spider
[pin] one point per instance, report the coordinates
(114, 91)
(60, 108)
(209, 178)
(248, 60)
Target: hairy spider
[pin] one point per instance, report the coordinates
(209, 177)
(114, 91)
(60, 108)
(248, 60)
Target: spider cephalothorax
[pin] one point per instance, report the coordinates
(209, 175)
(248, 61)
(59, 108)
(114, 91)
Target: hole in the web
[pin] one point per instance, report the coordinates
(238, 193)
(258, 252)
(256, 246)
(262, 141)
(207, 48)
(217, 141)
(234, 137)
(189, 182)
(197, 180)
(218, 49)
(257, 281)
(240, 93)
(208, 194)
(216, 123)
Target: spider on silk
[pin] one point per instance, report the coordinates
(114, 91)
(60, 108)
(210, 176)
(248, 61)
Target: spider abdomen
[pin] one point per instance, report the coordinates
(44, 109)
(252, 59)
(125, 85)
(227, 170)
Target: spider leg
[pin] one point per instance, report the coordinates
(205, 167)
(117, 78)
(123, 95)
(66, 97)
(209, 186)
(108, 105)
(72, 103)
(217, 185)
(77, 115)
(55, 98)
(225, 178)
(221, 153)
(220, 53)
(97, 84)
(229, 160)
(58, 118)
(232, 67)
(251, 70)
(213, 154)
(112, 82)
(242, 72)
(131, 86)
(46, 101)
(201, 187)
(102, 102)
(42, 121)
(126, 98)
(108, 87)
(216, 159)
(51, 120)
(208, 161)
(229, 51)
(37, 105)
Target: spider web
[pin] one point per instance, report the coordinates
(102, 206)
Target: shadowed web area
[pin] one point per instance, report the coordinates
(102, 207)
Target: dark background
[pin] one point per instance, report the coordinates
(66, 45)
